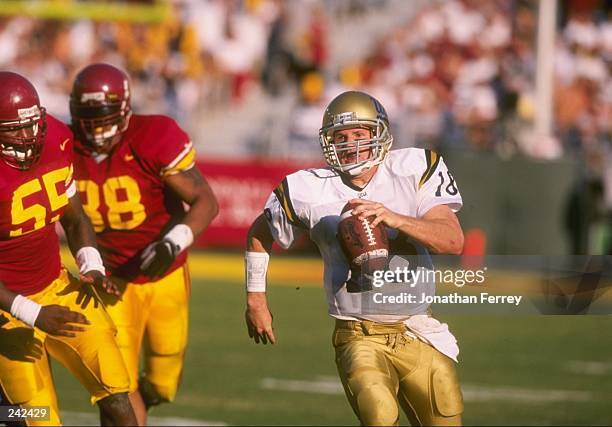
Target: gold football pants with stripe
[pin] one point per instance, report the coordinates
(154, 317)
(92, 355)
(381, 368)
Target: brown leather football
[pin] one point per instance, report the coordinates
(366, 248)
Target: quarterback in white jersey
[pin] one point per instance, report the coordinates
(383, 357)
(313, 198)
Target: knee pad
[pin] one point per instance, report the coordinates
(377, 406)
(446, 391)
(163, 375)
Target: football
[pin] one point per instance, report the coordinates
(366, 248)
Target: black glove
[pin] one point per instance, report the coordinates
(158, 257)
(362, 276)
(358, 282)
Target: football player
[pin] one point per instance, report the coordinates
(135, 174)
(45, 311)
(385, 358)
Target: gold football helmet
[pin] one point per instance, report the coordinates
(354, 110)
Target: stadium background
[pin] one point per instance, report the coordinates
(249, 80)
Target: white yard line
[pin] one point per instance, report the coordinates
(471, 392)
(480, 393)
(588, 367)
(91, 419)
(320, 385)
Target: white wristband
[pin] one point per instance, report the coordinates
(25, 310)
(256, 268)
(88, 258)
(181, 235)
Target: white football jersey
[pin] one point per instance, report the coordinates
(410, 182)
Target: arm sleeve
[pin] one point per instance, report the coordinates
(185, 160)
(283, 232)
(169, 150)
(70, 183)
(285, 222)
(437, 186)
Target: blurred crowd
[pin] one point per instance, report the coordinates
(460, 73)
(202, 48)
(205, 55)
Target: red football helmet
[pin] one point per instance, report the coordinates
(100, 105)
(22, 121)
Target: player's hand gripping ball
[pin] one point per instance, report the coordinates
(366, 248)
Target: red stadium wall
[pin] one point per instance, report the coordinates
(242, 188)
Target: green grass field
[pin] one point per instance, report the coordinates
(515, 370)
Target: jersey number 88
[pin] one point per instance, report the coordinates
(123, 213)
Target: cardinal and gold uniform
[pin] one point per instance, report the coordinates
(31, 202)
(130, 207)
(382, 357)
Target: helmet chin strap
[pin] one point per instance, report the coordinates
(103, 143)
(355, 170)
(102, 138)
(19, 155)
(359, 169)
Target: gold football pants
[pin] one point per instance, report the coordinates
(380, 366)
(154, 316)
(92, 355)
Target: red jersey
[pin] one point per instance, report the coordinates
(31, 201)
(124, 193)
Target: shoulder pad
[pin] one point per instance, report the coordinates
(157, 139)
(305, 185)
(408, 162)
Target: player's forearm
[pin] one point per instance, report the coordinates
(259, 238)
(78, 228)
(192, 188)
(6, 298)
(440, 236)
(259, 246)
(79, 234)
(201, 213)
(81, 238)
(20, 307)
